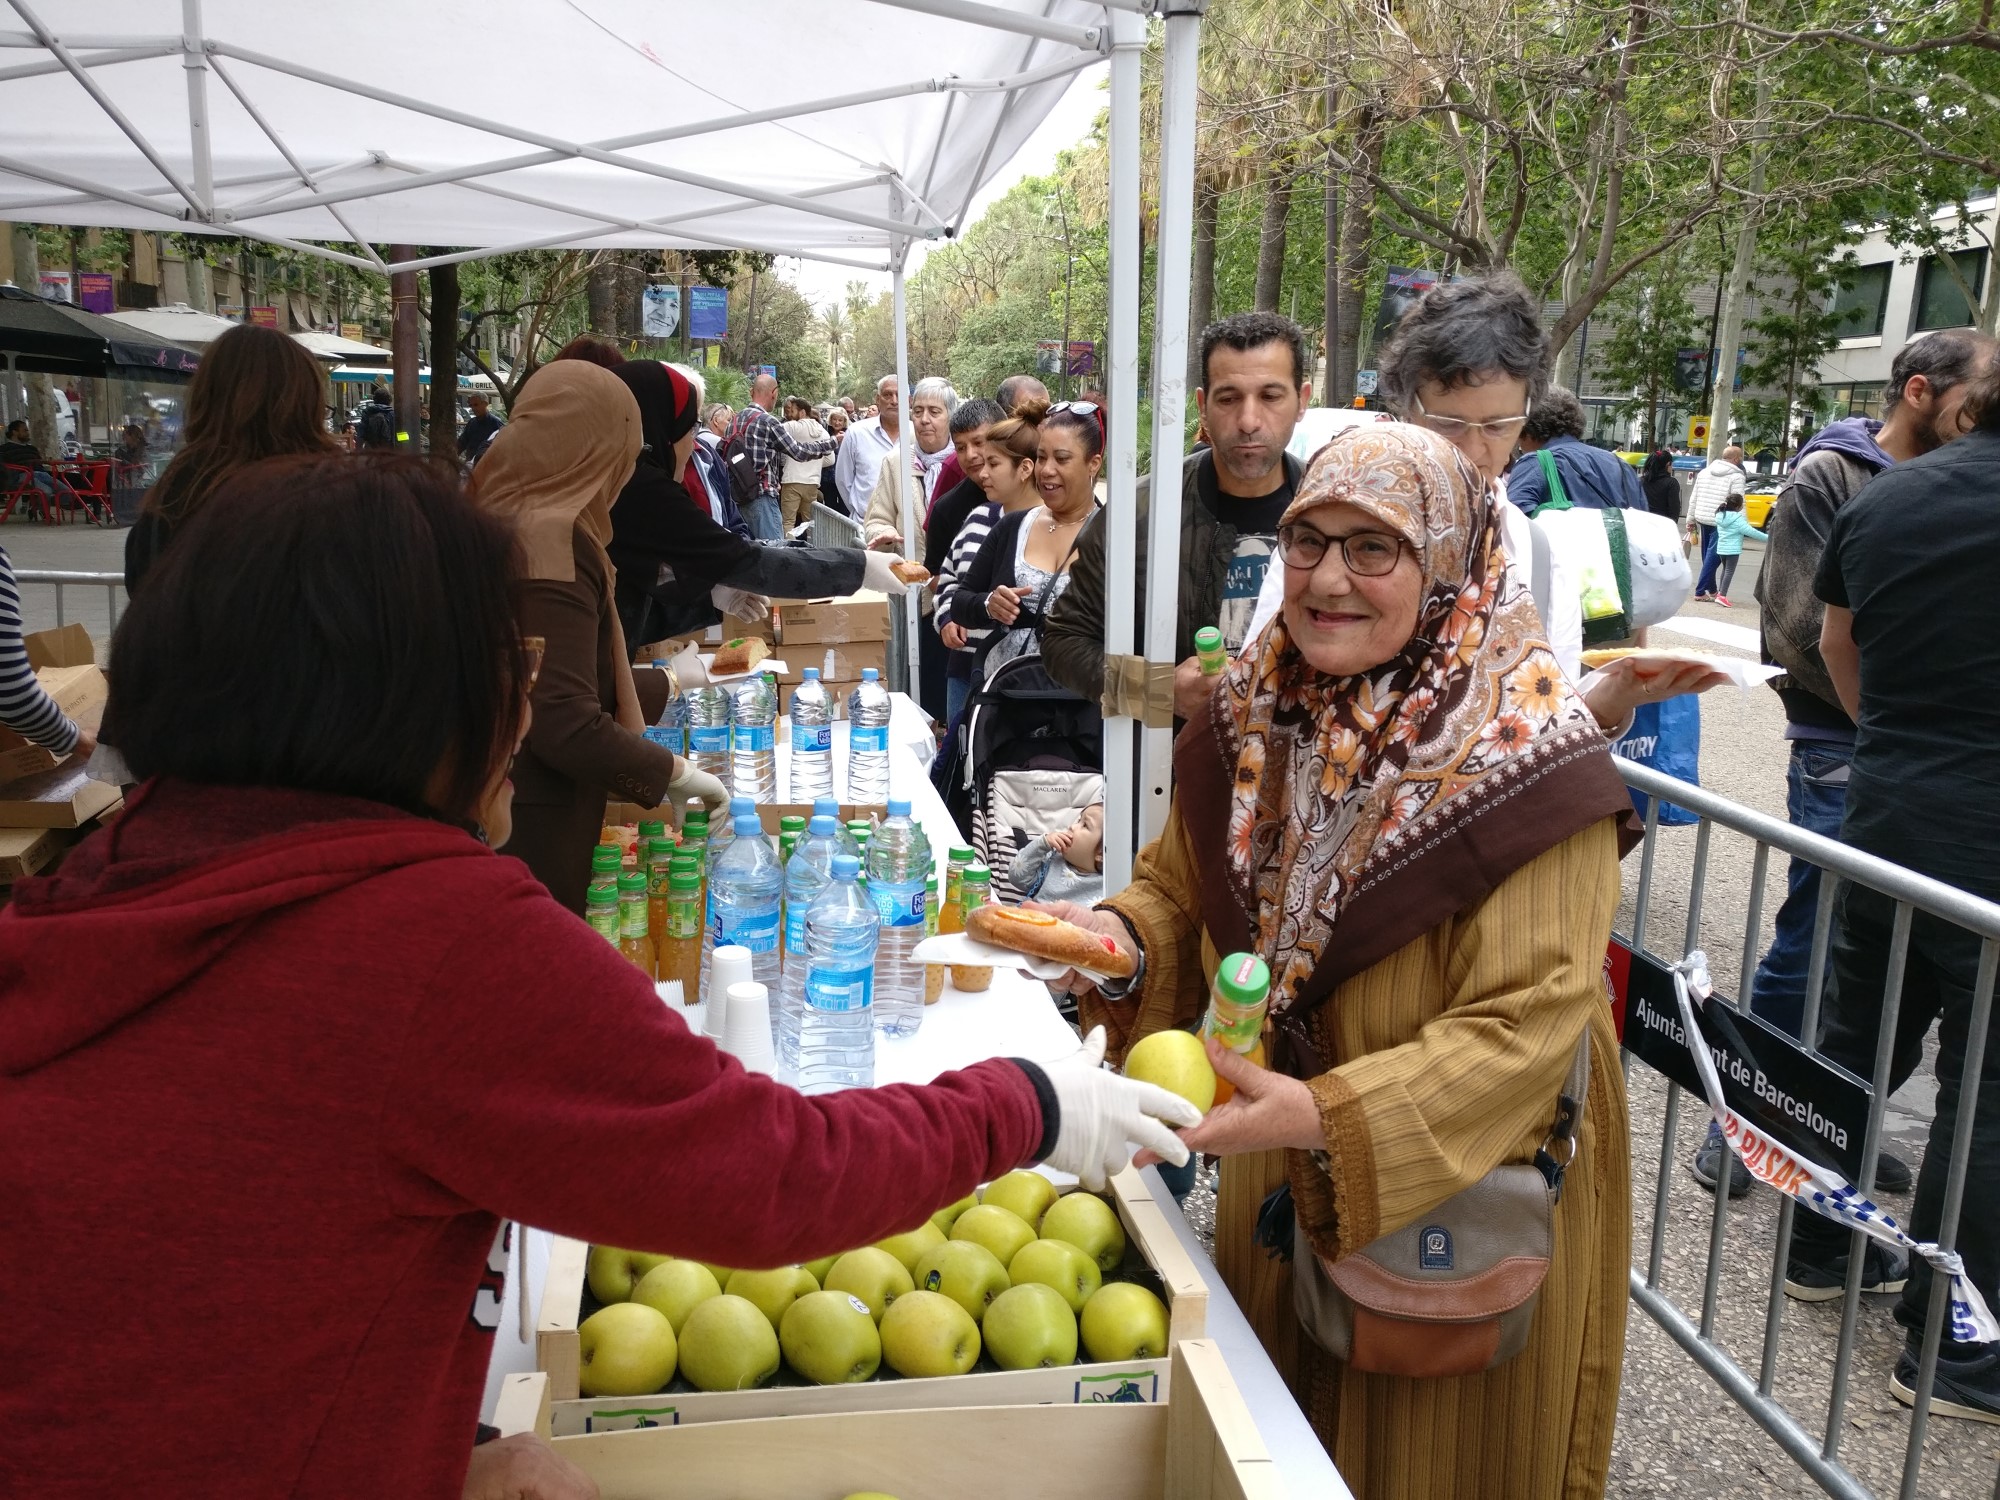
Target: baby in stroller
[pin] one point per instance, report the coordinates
(1067, 865)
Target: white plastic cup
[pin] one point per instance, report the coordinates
(727, 965)
(747, 1036)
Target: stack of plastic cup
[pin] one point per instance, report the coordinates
(730, 966)
(747, 1032)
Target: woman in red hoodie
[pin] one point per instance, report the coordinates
(282, 1048)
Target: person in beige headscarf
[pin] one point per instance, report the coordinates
(555, 470)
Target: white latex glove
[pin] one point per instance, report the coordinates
(875, 574)
(688, 670)
(690, 781)
(735, 602)
(1101, 1114)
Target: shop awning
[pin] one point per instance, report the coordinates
(39, 333)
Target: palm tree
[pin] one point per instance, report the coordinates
(833, 323)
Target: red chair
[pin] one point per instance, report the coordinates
(18, 489)
(88, 486)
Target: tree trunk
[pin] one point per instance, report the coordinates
(1271, 237)
(687, 309)
(601, 292)
(406, 348)
(1357, 235)
(41, 412)
(444, 359)
(1201, 289)
(1730, 333)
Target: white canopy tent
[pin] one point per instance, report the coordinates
(629, 123)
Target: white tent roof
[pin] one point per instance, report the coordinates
(836, 131)
(176, 321)
(331, 346)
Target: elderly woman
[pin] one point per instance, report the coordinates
(1397, 800)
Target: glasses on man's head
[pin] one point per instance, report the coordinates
(1368, 554)
(1506, 429)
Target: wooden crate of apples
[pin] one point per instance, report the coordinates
(1016, 1295)
(1198, 1444)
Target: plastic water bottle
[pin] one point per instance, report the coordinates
(868, 740)
(812, 738)
(754, 740)
(899, 865)
(836, 1027)
(807, 873)
(826, 807)
(671, 731)
(745, 892)
(710, 711)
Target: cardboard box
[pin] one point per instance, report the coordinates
(849, 658)
(23, 851)
(65, 797)
(830, 622)
(70, 646)
(765, 629)
(1202, 1444)
(79, 691)
(1154, 1256)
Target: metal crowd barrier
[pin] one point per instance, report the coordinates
(1818, 1456)
(832, 529)
(113, 585)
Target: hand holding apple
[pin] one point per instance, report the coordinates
(524, 1467)
(1268, 1110)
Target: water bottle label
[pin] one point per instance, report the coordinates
(840, 989)
(757, 931)
(709, 739)
(809, 737)
(795, 928)
(868, 739)
(670, 735)
(754, 737)
(899, 908)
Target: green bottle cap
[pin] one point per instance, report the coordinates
(859, 825)
(603, 893)
(1243, 979)
(631, 882)
(930, 884)
(977, 874)
(960, 855)
(684, 882)
(602, 863)
(653, 828)
(791, 823)
(1208, 638)
(614, 850)
(660, 848)
(697, 818)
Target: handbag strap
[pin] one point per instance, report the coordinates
(1558, 496)
(1556, 1152)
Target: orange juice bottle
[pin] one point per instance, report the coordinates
(633, 939)
(659, 866)
(1236, 1005)
(680, 941)
(951, 913)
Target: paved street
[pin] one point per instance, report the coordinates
(1678, 1435)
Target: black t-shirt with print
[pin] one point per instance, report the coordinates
(1256, 523)
(1913, 556)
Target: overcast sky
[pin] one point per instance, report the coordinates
(1066, 124)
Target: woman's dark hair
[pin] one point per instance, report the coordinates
(256, 395)
(339, 624)
(1982, 401)
(1463, 333)
(1065, 414)
(1019, 435)
(1731, 502)
(591, 349)
(1658, 462)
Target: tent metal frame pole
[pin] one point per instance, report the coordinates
(88, 41)
(993, 18)
(1121, 521)
(1178, 99)
(912, 615)
(194, 66)
(94, 60)
(70, 180)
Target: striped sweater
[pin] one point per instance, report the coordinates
(24, 707)
(971, 537)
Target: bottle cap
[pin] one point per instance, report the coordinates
(809, 674)
(685, 864)
(822, 826)
(976, 874)
(653, 828)
(791, 823)
(601, 893)
(827, 806)
(960, 855)
(899, 807)
(845, 867)
(631, 881)
(611, 849)
(1243, 979)
(1208, 638)
(742, 807)
(869, 674)
(683, 881)
(930, 884)
(697, 816)
(661, 848)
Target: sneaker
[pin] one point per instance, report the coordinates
(1883, 1270)
(1892, 1174)
(1723, 600)
(1968, 1388)
(1708, 1161)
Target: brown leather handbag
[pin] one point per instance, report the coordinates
(1452, 1292)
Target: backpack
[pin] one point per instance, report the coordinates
(745, 483)
(377, 428)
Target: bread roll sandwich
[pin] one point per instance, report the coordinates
(1040, 935)
(911, 573)
(740, 655)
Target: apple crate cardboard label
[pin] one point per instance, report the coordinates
(1119, 1383)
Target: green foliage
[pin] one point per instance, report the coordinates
(1651, 319)
(1796, 327)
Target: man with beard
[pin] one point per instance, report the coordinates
(1253, 388)
(1921, 411)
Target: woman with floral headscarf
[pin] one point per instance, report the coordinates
(1398, 801)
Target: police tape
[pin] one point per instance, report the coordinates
(1819, 1188)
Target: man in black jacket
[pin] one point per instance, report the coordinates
(1253, 388)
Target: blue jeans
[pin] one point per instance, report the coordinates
(1706, 583)
(1815, 799)
(1180, 1180)
(956, 691)
(765, 521)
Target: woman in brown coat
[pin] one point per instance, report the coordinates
(554, 470)
(1400, 804)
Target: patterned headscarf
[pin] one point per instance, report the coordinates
(1342, 784)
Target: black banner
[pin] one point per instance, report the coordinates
(1816, 1108)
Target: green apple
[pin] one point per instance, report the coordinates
(818, 1269)
(873, 1276)
(1176, 1061)
(1123, 1321)
(720, 1273)
(1090, 1224)
(969, 1274)
(728, 1345)
(772, 1291)
(945, 1217)
(907, 1247)
(1028, 1194)
(1029, 1327)
(830, 1338)
(1057, 1264)
(613, 1273)
(927, 1334)
(625, 1350)
(999, 1230)
(675, 1288)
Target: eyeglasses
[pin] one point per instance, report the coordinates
(533, 649)
(1453, 428)
(1081, 408)
(1368, 554)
